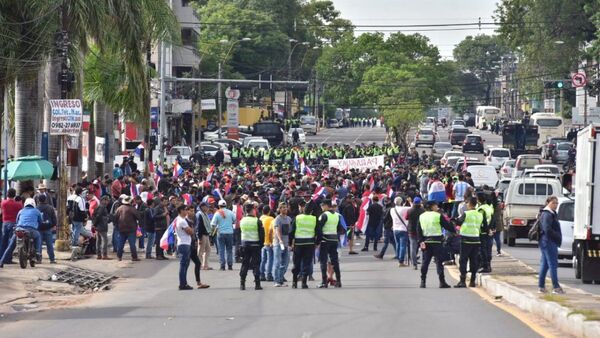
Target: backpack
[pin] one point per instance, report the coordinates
(535, 231)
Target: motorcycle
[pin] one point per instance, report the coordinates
(25, 247)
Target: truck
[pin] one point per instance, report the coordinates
(586, 228)
(520, 138)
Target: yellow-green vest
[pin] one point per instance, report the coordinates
(249, 228)
(430, 222)
(471, 227)
(305, 229)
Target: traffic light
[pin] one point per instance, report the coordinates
(557, 84)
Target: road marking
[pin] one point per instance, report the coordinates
(325, 140)
(359, 136)
(523, 316)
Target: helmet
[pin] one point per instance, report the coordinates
(29, 202)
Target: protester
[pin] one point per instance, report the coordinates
(550, 241)
(281, 258)
(224, 220)
(127, 218)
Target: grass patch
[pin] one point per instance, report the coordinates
(590, 315)
(562, 300)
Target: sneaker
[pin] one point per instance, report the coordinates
(402, 265)
(185, 287)
(378, 256)
(364, 249)
(352, 253)
(230, 267)
(499, 254)
(558, 291)
(53, 262)
(222, 268)
(542, 290)
(310, 278)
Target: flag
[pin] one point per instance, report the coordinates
(372, 183)
(272, 202)
(227, 187)
(436, 192)
(168, 238)
(296, 162)
(390, 192)
(133, 189)
(363, 218)
(304, 169)
(210, 173)
(177, 170)
(319, 192)
(151, 167)
(257, 169)
(139, 149)
(158, 175)
(187, 198)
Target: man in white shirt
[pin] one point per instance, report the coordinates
(399, 224)
(460, 188)
(184, 243)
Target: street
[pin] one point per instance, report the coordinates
(377, 299)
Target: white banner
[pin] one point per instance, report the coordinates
(99, 146)
(233, 114)
(66, 117)
(209, 104)
(361, 164)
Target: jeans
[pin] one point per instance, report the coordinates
(7, 233)
(76, 226)
(150, 244)
(102, 244)
(141, 239)
(414, 250)
(48, 238)
(158, 235)
(281, 260)
(548, 262)
(115, 238)
(127, 237)
(389, 238)
(401, 241)
(498, 241)
(184, 251)
(225, 244)
(266, 262)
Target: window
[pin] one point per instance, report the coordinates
(189, 37)
(500, 153)
(564, 146)
(426, 132)
(548, 122)
(528, 163)
(473, 139)
(307, 120)
(266, 128)
(567, 212)
(185, 3)
(535, 189)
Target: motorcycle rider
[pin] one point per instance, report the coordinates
(30, 219)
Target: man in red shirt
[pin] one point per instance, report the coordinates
(116, 188)
(10, 209)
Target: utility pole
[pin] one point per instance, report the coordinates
(219, 99)
(162, 114)
(5, 141)
(562, 98)
(585, 106)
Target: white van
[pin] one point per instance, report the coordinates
(309, 124)
(483, 175)
(497, 156)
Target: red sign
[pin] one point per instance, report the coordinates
(233, 133)
(578, 80)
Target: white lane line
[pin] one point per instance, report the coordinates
(361, 134)
(325, 140)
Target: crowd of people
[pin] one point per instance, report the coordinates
(275, 212)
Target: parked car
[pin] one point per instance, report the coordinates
(439, 149)
(496, 157)
(425, 136)
(228, 141)
(458, 123)
(507, 168)
(457, 135)
(554, 169)
(301, 136)
(560, 153)
(525, 161)
(566, 218)
(549, 146)
(184, 151)
(522, 201)
(501, 187)
(451, 161)
(448, 154)
(458, 166)
(211, 148)
(214, 134)
(333, 123)
(309, 124)
(261, 143)
(483, 175)
(473, 142)
(532, 172)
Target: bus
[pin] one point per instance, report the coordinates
(549, 125)
(486, 115)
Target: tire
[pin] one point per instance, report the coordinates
(577, 266)
(511, 241)
(23, 257)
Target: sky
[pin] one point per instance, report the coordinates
(418, 12)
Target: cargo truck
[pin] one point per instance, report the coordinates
(586, 228)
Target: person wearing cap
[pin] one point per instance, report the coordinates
(253, 236)
(329, 226)
(429, 232)
(473, 223)
(304, 234)
(413, 215)
(203, 231)
(127, 218)
(223, 220)
(30, 219)
(42, 191)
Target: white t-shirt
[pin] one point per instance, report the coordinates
(397, 223)
(182, 237)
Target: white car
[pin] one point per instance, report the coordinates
(497, 156)
(553, 168)
(507, 168)
(211, 148)
(425, 136)
(525, 161)
(301, 135)
(214, 135)
(448, 154)
(483, 175)
(566, 217)
(458, 123)
(261, 143)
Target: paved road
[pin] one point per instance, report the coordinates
(352, 136)
(378, 299)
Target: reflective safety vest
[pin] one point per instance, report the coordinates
(249, 228)
(330, 227)
(235, 153)
(266, 155)
(489, 212)
(430, 222)
(471, 227)
(305, 229)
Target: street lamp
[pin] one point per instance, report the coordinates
(296, 44)
(224, 41)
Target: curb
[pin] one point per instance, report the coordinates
(556, 314)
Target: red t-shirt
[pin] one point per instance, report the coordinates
(10, 209)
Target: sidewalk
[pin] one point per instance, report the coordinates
(575, 313)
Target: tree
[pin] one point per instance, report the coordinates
(480, 56)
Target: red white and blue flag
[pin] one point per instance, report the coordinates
(210, 173)
(319, 192)
(139, 149)
(177, 170)
(168, 238)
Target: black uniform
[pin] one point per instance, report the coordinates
(329, 245)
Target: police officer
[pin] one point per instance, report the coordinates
(473, 224)
(429, 234)
(330, 225)
(253, 236)
(303, 236)
(486, 237)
